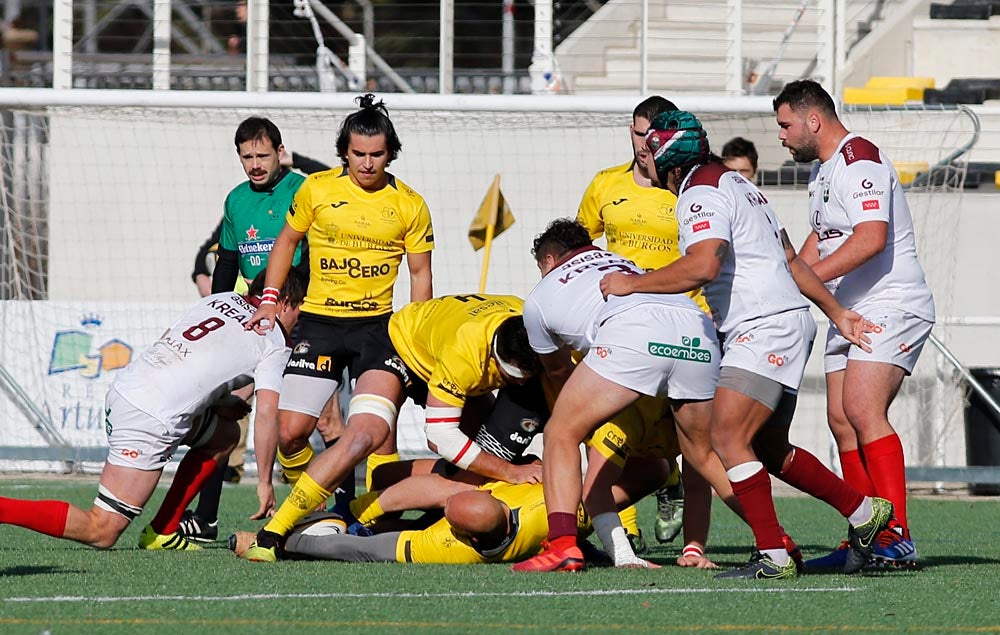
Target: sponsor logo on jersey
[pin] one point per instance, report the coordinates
(904, 347)
(688, 350)
(301, 348)
(354, 305)
(697, 227)
(451, 388)
(529, 425)
(256, 247)
(517, 438)
(324, 363)
(869, 205)
(131, 454)
(743, 339)
(619, 201)
(866, 184)
(388, 214)
(397, 365)
(108, 428)
(602, 352)
(301, 363)
(338, 204)
(697, 216)
(868, 190)
(252, 233)
(695, 208)
(776, 360)
(353, 268)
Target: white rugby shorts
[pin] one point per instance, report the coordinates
(140, 441)
(897, 339)
(776, 347)
(658, 350)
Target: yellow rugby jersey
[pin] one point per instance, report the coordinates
(356, 241)
(644, 428)
(448, 342)
(438, 544)
(638, 222)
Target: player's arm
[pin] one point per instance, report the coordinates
(869, 239)
(201, 276)
(421, 281)
(227, 269)
(558, 366)
(701, 264)
(809, 251)
(278, 264)
(265, 442)
(589, 212)
(850, 324)
(306, 165)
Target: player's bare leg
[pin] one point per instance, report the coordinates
(377, 398)
(586, 401)
(599, 501)
(421, 491)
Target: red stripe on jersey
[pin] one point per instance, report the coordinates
(465, 448)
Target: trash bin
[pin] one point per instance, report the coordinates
(982, 428)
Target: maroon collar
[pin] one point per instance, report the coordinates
(573, 254)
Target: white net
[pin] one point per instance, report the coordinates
(102, 210)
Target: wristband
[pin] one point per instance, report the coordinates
(693, 551)
(270, 296)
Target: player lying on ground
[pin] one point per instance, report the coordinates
(178, 392)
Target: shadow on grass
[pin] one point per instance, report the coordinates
(25, 570)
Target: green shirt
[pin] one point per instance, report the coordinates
(252, 219)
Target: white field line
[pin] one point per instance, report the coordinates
(325, 596)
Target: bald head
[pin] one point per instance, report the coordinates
(478, 514)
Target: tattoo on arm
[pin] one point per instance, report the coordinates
(721, 251)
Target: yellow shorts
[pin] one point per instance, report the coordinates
(645, 428)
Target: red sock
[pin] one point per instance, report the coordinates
(754, 495)
(884, 458)
(191, 475)
(46, 517)
(807, 474)
(562, 524)
(855, 473)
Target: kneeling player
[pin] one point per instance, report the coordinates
(178, 392)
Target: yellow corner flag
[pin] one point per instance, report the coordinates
(491, 219)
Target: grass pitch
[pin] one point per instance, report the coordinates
(52, 586)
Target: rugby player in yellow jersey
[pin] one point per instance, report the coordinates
(360, 222)
(444, 352)
(639, 223)
(497, 522)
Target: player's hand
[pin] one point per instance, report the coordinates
(265, 495)
(531, 473)
(617, 283)
(263, 319)
(853, 327)
(697, 562)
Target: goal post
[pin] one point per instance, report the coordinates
(106, 195)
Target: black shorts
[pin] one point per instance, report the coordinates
(328, 345)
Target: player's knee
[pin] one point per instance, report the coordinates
(363, 437)
(102, 534)
(292, 438)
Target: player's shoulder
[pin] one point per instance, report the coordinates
(326, 178)
(859, 149)
(405, 192)
(709, 175)
(620, 171)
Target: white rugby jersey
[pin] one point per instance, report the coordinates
(755, 280)
(566, 307)
(203, 356)
(856, 185)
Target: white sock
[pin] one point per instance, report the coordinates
(862, 514)
(779, 556)
(609, 529)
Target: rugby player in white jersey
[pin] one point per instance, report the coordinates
(178, 393)
(863, 247)
(737, 251)
(657, 345)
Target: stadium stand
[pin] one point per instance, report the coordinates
(973, 90)
(889, 91)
